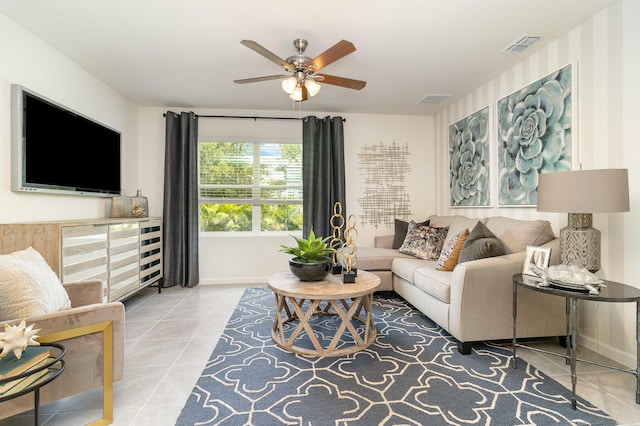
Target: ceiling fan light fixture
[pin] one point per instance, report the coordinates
(289, 85)
(296, 95)
(301, 82)
(312, 87)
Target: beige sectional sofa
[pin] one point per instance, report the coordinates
(474, 302)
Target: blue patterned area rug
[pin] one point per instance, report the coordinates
(411, 375)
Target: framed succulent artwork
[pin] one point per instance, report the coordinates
(534, 136)
(469, 161)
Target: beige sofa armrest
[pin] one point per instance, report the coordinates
(383, 241)
(84, 292)
(478, 286)
(555, 251)
(487, 284)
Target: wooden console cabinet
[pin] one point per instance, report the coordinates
(125, 254)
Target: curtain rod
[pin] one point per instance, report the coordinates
(254, 118)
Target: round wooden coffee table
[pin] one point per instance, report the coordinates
(303, 300)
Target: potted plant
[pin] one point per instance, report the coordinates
(312, 257)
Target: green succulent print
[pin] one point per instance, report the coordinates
(534, 136)
(469, 160)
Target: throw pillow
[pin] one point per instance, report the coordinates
(28, 286)
(424, 241)
(480, 244)
(451, 251)
(401, 228)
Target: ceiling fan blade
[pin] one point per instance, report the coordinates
(341, 81)
(256, 47)
(332, 54)
(256, 79)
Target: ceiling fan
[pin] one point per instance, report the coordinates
(301, 80)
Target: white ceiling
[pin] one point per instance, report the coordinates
(186, 53)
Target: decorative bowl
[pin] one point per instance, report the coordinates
(309, 271)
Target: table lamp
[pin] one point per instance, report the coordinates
(580, 194)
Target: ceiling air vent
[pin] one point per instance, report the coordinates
(521, 43)
(433, 99)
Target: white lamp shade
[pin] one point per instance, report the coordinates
(296, 95)
(312, 87)
(584, 191)
(289, 84)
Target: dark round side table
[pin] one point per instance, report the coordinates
(614, 292)
(54, 367)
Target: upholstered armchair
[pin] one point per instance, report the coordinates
(93, 334)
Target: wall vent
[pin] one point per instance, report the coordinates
(433, 99)
(521, 43)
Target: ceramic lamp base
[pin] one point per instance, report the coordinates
(580, 243)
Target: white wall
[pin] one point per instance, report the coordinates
(417, 133)
(26, 60)
(252, 258)
(606, 52)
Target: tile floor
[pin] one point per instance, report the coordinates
(170, 336)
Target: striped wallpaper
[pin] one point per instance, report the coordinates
(605, 53)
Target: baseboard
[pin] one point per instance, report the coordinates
(244, 281)
(624, 358)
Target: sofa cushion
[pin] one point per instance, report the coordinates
(460, 223)
(516, 234)
(407, 266)
(434, 282)
(451, 251)
(401, 228)
(377, 259)
(481, 243)
(455, 223)
(440, 221)
(424, 242)
(423, 275)
(29, 287)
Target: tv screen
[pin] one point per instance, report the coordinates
(58, 150)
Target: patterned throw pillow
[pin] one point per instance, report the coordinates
(450, 252)
(401, 228)
(423, 241)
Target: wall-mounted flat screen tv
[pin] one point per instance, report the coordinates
(57, 150)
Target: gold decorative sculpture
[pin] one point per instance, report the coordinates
(337, 223)
(349, 251)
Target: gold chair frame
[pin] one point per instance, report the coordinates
(106, 328)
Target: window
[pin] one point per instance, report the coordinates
(250, 186)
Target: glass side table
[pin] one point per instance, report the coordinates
(614, 292)
(55, 367)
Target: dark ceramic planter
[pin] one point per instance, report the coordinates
(310, 271)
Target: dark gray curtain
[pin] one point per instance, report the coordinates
(323, 172)
(180, 210)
